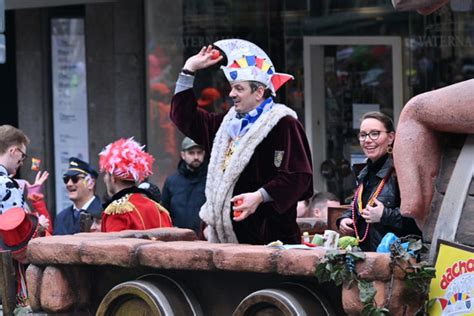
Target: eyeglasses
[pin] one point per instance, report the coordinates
(23, 155)
(74, 178)
(373, 135)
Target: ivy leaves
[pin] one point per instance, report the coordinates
(339, 267)
(367, 293)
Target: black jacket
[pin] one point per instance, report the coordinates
(391, 220)
(183, 195)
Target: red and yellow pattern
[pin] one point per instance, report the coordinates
(134, 211)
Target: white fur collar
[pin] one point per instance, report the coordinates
(220, 185)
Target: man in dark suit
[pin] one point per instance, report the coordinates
(80, 180)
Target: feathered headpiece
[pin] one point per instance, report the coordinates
(248, 62)
(126, 160)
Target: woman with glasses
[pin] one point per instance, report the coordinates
(375, 209)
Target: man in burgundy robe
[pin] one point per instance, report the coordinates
(260, 156)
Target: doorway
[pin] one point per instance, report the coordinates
(346, 77)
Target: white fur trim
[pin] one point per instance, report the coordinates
(220, 185)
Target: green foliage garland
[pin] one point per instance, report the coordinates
(339, 267)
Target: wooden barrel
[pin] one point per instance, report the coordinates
(155, 295)
(289, 299)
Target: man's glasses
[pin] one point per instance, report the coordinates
(74, 178)
(23, 155)
(373, 135)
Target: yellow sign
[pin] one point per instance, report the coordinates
(453, 287)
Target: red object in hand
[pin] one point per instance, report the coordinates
(215, 54)
(238, 203)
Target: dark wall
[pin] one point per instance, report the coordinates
(115, 79)
(33, 96)
(7, 75)
(115, 74)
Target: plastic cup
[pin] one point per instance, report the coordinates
(330, 239)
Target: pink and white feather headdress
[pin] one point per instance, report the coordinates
(126, 160)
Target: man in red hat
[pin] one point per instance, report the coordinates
(17, 228)
(126, 164)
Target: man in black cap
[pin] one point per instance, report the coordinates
(183, 191)
(80, 180)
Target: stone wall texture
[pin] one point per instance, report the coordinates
(62, 267)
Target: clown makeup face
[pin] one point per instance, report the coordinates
(244, 99)
(80, 188)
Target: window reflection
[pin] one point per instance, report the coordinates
(437, 51)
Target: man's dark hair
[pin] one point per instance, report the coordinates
(254, 85)
(152, 190)
(320, 198)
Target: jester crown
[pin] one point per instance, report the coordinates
(248, 62)
(126, 160)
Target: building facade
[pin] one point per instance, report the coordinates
(348, 57)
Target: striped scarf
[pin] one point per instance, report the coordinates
(238, 126)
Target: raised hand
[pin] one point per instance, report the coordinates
(205, 58)
(41, 177)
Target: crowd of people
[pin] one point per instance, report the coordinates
(23, 211)
(245, 175)
(260, 163)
